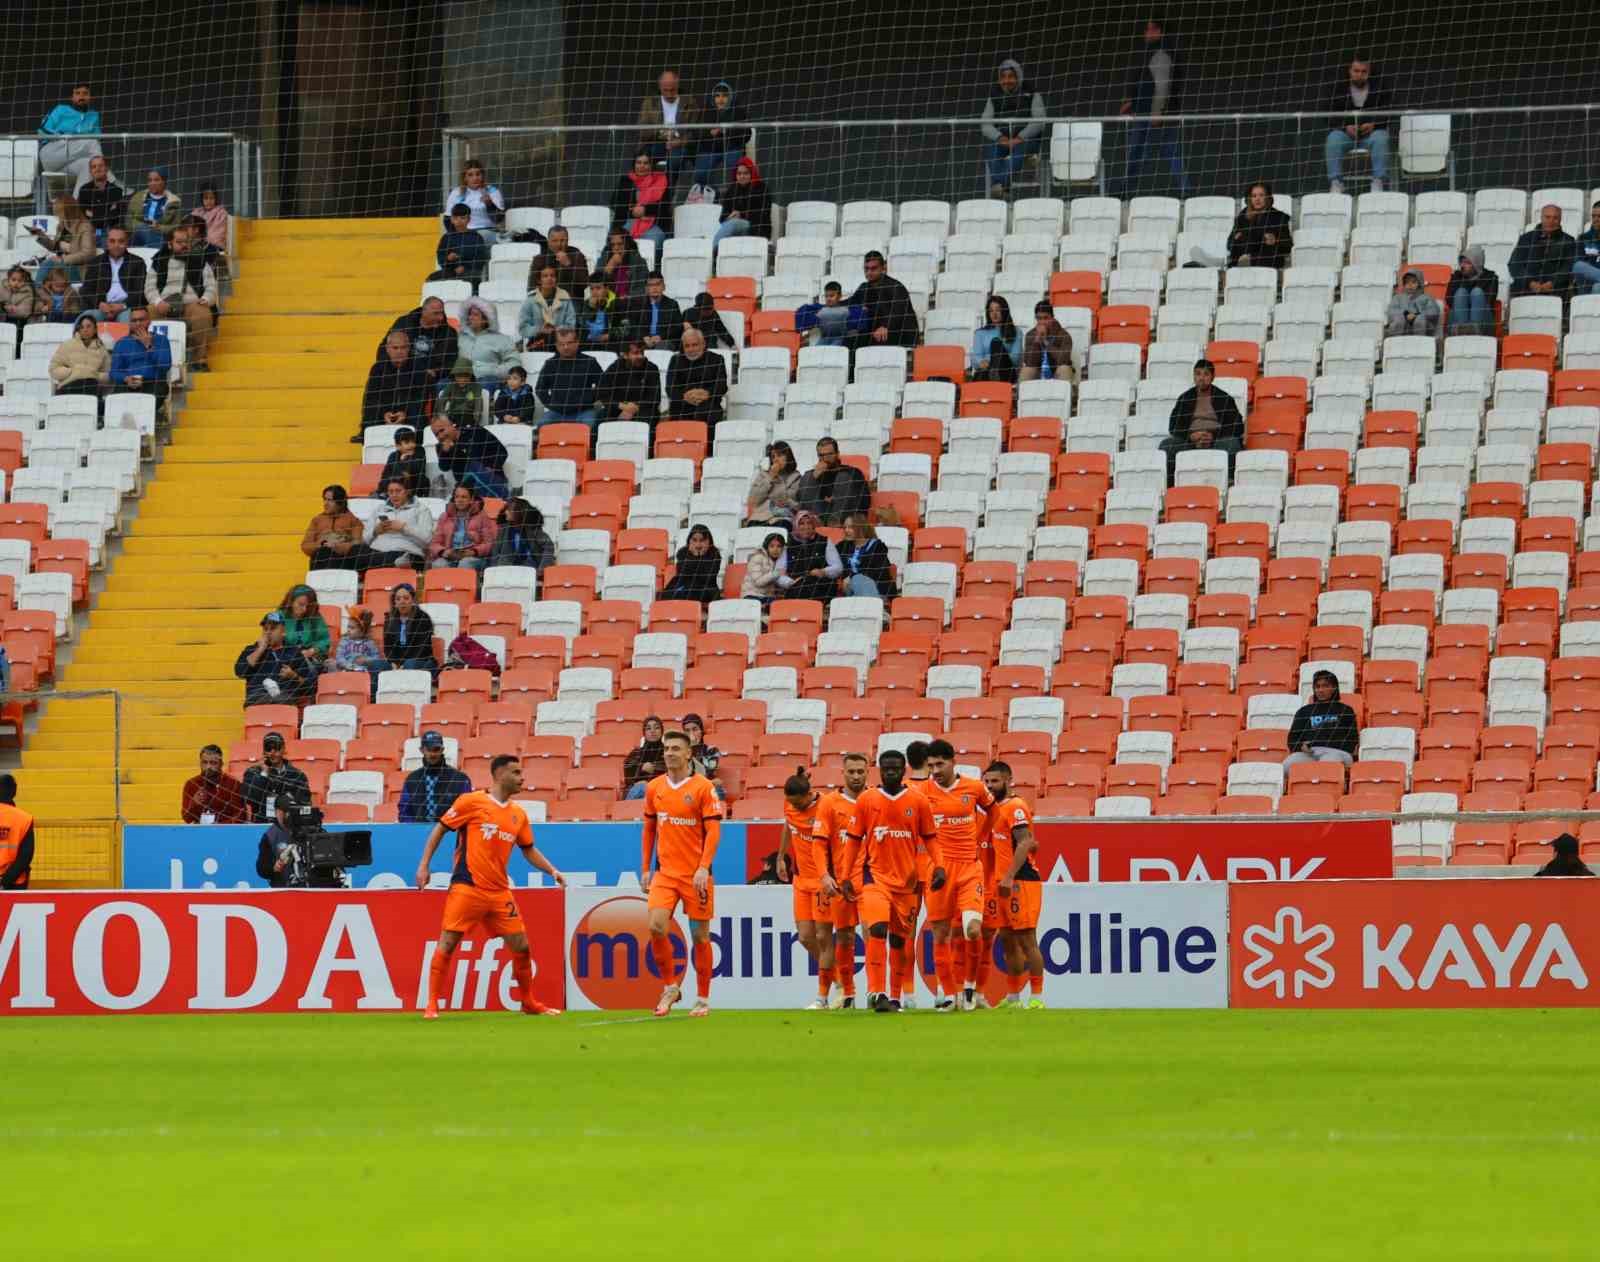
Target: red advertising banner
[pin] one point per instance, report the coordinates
(1517, 943)
(70, 954)
(1271, 850)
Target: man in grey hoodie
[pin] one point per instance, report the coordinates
(1412, 310)
(1470, 297)
(1013, 127)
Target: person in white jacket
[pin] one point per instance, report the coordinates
(402, 529)
(492, 353)
(761, 571)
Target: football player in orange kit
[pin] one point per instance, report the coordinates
(916, 778)
(682, 825)
(835, 812)
(1014, 902)
(892, 823)
(486, 825)
(795, 849)
(961, 812)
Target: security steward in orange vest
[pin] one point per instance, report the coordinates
(16, 838)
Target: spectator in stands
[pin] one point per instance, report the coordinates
(271, 778)
(464, 535)
(332, 540)
(1564, 860)
(832, 316)
(1325, 730)
(304, 627)
(401, 531)
(154, 211)
(706, 757)
(642, 201)
(1155, 94)
(462, 254)
(810, 567)
(141, 362)
(1412, 309)
(72, 244)
(71, 126)
(214, 216)
(408, 632)
(1008, 140)
(658, 319)
(407, 461)
(520, 537)
(746, 205)
(461, 398)
(432, 788)
(545, 311)
(718, 148)
(699, 569)
(832, 490)
(572, 269)
(104, 201)
(472, 456)
(1047, 348)
(115, 280)
(433, 341)
(200, 248)
(1204, 419)
(23, 302)
(81, 364)
(486, 204)
(1261, 235)
(1543, 258)
(61, 302)
(996, 353)
(357, 649)
(1586, 265)
(890, 318)
(397, 388)
(697, 382)
(761, 570)
(660, 114)
(645, 762)
(492, 353)
(865, 557)
(182, 285)
(703, 315)
(599, 317)
(273, 673)
(1359, 93)
(514, 402)
(1470, 297)
(623, 268)
(567, 382)
(630, 390)
(774, 496)
(213, 796)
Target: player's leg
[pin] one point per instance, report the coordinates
(1033, 959)
(700, 948)
(874, 910)
(845, 917)
(822, 919)
(522, 969)
(805, 929)
(663, 902)
(443, 951)
(939, 905)
(967, 894)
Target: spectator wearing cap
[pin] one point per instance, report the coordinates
(644, 763)
(1325, 730)
(279, 861)
(273, 673)
(408, 632)
(462, 254)
(1564, 860)
(153, 212)
(357, 649)
(461, 398)
(271, 778)
(332, 540)
(401, 530)
(464, 537)
(213, 796)
(407, 462)
(432, 788)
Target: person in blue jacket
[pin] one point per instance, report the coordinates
(141, 361)
(996, 352)
(71, 126)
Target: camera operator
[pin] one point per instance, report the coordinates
(280, 860)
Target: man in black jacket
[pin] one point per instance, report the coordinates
(273, 673)
(567, 382)
(697, 382)
(655, 318)
(474, 457)
(397, 388)
(1261, 235)
(1325, 730)
(572, 269)
(431, 790)
(891, 319)
(114, 281)
(1359, 93)
(433, 341)
(280, 862)
(1203, 419)
(271, 778)
(832, 489)
(104, 201)
(1542, 262)
(1154, 94)
(630, 390)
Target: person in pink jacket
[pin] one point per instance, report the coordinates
(464, 535)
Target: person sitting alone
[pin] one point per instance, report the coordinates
(1203, 419)
(1325, 730)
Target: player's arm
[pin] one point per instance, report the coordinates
(820, 851)
(647, 843)
(712, 827)
(1023, 846)
(435, 836)
(783, 852)
(930, 842)
(530, 852)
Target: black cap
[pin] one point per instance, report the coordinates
(272, 740)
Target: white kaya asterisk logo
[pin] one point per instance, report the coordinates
(1312, 969)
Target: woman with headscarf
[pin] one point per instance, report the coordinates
(623, 268)
(810, 567)
(723, 144)
(699, 569)
(746, 205)
(408, 632)
(642, 201)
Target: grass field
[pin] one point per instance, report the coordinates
(786, 1135)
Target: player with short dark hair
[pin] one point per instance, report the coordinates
(1012, 906)
(486, 825)
(834, 814)
(961, 812)
(794, 845)
(916, 777)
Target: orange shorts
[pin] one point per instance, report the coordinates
(1020, 911)
(466, 908)
(668, 891)
(805, 904)
(846, 912)
(962, 891)
(880, 904)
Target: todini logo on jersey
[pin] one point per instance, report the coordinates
(681, 821)
(493, 831)
(880, 831)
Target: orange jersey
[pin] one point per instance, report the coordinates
(924, 859)
(486, 830)
(890, 831)
(960, 813)
(802, 824)
(1005, 819)
(829, 833)
(684, 815)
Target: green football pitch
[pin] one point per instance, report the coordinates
(1350, 1136)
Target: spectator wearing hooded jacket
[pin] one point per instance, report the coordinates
(717, 149)
(642, 201)
(746, 205)
(1469, 299)
(1325, 730)
(491, 352)
(545, 311)
(464, 535)
(1412, 309)
(1013, 127)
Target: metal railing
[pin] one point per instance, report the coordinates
(230, 160)
(901, 159)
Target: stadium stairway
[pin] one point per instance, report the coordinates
(216, 540)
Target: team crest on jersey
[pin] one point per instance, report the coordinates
(966, 799)
(688, 799)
